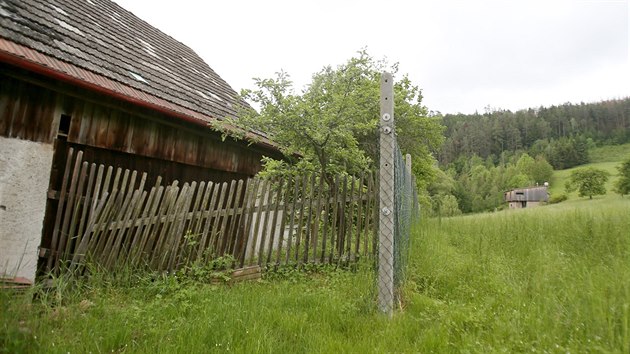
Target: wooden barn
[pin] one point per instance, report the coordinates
(526, 197)
(89, 75)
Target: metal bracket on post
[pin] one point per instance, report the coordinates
(386, 196)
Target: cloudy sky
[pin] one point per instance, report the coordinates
(465, 55)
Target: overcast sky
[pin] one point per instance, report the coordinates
(465, 55)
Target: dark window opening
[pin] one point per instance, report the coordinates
(64, 125)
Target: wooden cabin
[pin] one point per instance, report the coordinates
(90, 75)
(526, 197)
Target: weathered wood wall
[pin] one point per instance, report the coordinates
(33, 112)
(115, 133)
(26, 112)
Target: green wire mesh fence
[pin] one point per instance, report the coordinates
(405, 214)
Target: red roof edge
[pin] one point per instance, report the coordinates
(29, 59)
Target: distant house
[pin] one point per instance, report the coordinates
(526, 197)
(90, 75)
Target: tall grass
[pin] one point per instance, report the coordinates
(553, 279)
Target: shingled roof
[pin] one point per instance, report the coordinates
(100, 45)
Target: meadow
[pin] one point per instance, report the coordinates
(553, 279)
(547, 280)
(605, 158)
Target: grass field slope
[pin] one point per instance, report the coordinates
(606, 158)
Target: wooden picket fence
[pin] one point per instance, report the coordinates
(112, 218)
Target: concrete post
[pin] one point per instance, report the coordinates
(386, 193)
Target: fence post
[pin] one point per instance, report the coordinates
(386, 196)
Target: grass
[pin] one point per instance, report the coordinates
(560, 177)
(553, 279)
(605, 158)
(610, 153)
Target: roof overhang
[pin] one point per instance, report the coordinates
(32, 60)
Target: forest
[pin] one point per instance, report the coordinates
(486, 154)
(554, 131)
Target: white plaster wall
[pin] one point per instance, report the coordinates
(24, 175)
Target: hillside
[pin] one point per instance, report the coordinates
(606, 158)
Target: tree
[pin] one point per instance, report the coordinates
(445, 205)
(541, 171)
(588, 182)
(622, 186)
(525, 164)
(333, 124)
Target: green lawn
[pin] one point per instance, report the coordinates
(553, 279)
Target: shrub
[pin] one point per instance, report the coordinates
(558, 198)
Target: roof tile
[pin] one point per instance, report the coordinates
(103, 38)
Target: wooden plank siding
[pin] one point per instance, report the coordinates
(26, 112)
(110, 134)
(114, 130)
(118, 134)
(31, 106)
